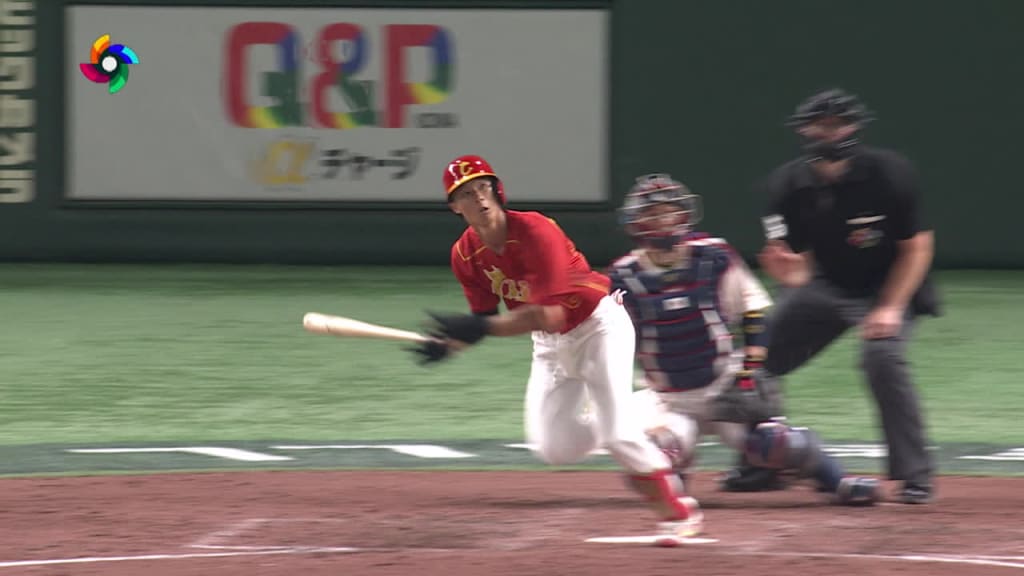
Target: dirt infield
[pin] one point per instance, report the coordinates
(462, 523)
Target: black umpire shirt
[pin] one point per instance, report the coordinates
(852, 226)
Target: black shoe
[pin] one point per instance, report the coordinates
(857, 491)
(916, 493)
(751, 479)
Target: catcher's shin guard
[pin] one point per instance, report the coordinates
(747, 478)
(781, 447)
(793, 450)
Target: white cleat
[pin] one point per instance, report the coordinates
(677, 532)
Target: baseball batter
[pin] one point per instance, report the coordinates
(583, 339)
(687, 292)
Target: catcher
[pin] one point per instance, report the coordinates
(686, 292)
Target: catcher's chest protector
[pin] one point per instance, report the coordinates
(680, 331)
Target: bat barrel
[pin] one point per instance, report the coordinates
(349, 327)
(315, 322)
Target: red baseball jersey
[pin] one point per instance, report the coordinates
(539, 265)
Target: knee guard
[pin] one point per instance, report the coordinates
(781, 447)
(676, 436)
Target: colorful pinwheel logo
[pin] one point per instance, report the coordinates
(109, 63)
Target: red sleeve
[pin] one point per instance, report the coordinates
(552, 255)
(481, 299)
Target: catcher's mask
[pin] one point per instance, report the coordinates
(833, 103)
(659, 211)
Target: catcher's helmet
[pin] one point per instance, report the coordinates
(466, 168)
(660, 228)
(828, 103)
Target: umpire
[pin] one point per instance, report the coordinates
(845, 236)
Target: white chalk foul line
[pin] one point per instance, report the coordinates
(98, 559)
(254, 548)
(645, 540)
(1003, 561)
(975, 559)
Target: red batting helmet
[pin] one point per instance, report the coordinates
(466, 168)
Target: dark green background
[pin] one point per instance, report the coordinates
(699, 89)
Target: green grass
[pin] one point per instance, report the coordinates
(108, 353)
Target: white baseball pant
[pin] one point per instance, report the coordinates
(591, 364)
(687, 414)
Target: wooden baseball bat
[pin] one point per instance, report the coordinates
(349, 327)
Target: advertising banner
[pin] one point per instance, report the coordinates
(337, 105)
(17, 102)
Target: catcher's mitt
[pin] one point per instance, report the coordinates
(754, 397)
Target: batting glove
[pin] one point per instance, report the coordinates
(468, 328)
(433, 350)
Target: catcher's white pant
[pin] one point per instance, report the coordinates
(688, 414)
(588, 369)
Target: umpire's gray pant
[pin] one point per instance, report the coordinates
(809, 318)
